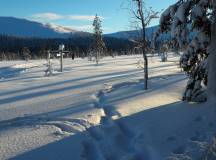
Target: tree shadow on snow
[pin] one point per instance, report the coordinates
(104, 79)
(118, 74)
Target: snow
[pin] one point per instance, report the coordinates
(59, 28)
(194, 61)
(211, 60)
(180, 14)
(91, 112)
(198, 11)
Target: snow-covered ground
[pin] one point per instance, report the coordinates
(91, 112)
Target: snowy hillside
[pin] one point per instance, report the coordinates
(26, 28)
(100, 112)
(134, 34)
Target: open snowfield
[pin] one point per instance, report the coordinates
(91, 112)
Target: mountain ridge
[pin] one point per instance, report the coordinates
(33, 29)
(28, 28)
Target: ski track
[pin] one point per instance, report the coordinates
(111, 140)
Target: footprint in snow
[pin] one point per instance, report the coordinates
(105, 120)
(211, 124)
(97, 105)
(100, 94)
(171, 138)
(198, 137)
(179, 150)
(110, 111)
(96, 133)
(198, 119)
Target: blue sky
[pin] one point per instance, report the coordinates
(78, 14)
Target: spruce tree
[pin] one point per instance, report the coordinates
(26, 53)
(197, 15)
(98, 45)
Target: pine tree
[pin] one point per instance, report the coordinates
(197, 59)
(98, 45)
(26, 53)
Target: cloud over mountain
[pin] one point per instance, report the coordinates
(54, 16)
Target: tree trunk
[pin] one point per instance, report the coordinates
(142, 19)
(146, 71)
(144, 46)
(212, 59)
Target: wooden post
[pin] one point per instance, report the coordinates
(61, 48)
(61, 53)
(48, 57)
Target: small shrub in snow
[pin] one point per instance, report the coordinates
(49, 70)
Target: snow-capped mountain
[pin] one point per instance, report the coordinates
(59, 29)
(26, 28)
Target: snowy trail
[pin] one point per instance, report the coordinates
(110, 140)
(113, 139)
(175, 130)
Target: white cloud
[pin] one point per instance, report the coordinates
(50, 18)
(47, 16)
(54, 16)
(86, 28)
(82, 17)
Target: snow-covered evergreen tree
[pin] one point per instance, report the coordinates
(26, 53)
(198, 14)
(212, 56)
(164, 52)
(98, 45)
(49, 70)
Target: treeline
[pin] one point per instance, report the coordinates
(12, 48)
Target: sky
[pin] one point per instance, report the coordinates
(79, 14)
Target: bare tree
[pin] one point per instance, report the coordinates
(143, 18)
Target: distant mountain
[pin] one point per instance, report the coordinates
(59, 29)
(134, 34)
(25, 28)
